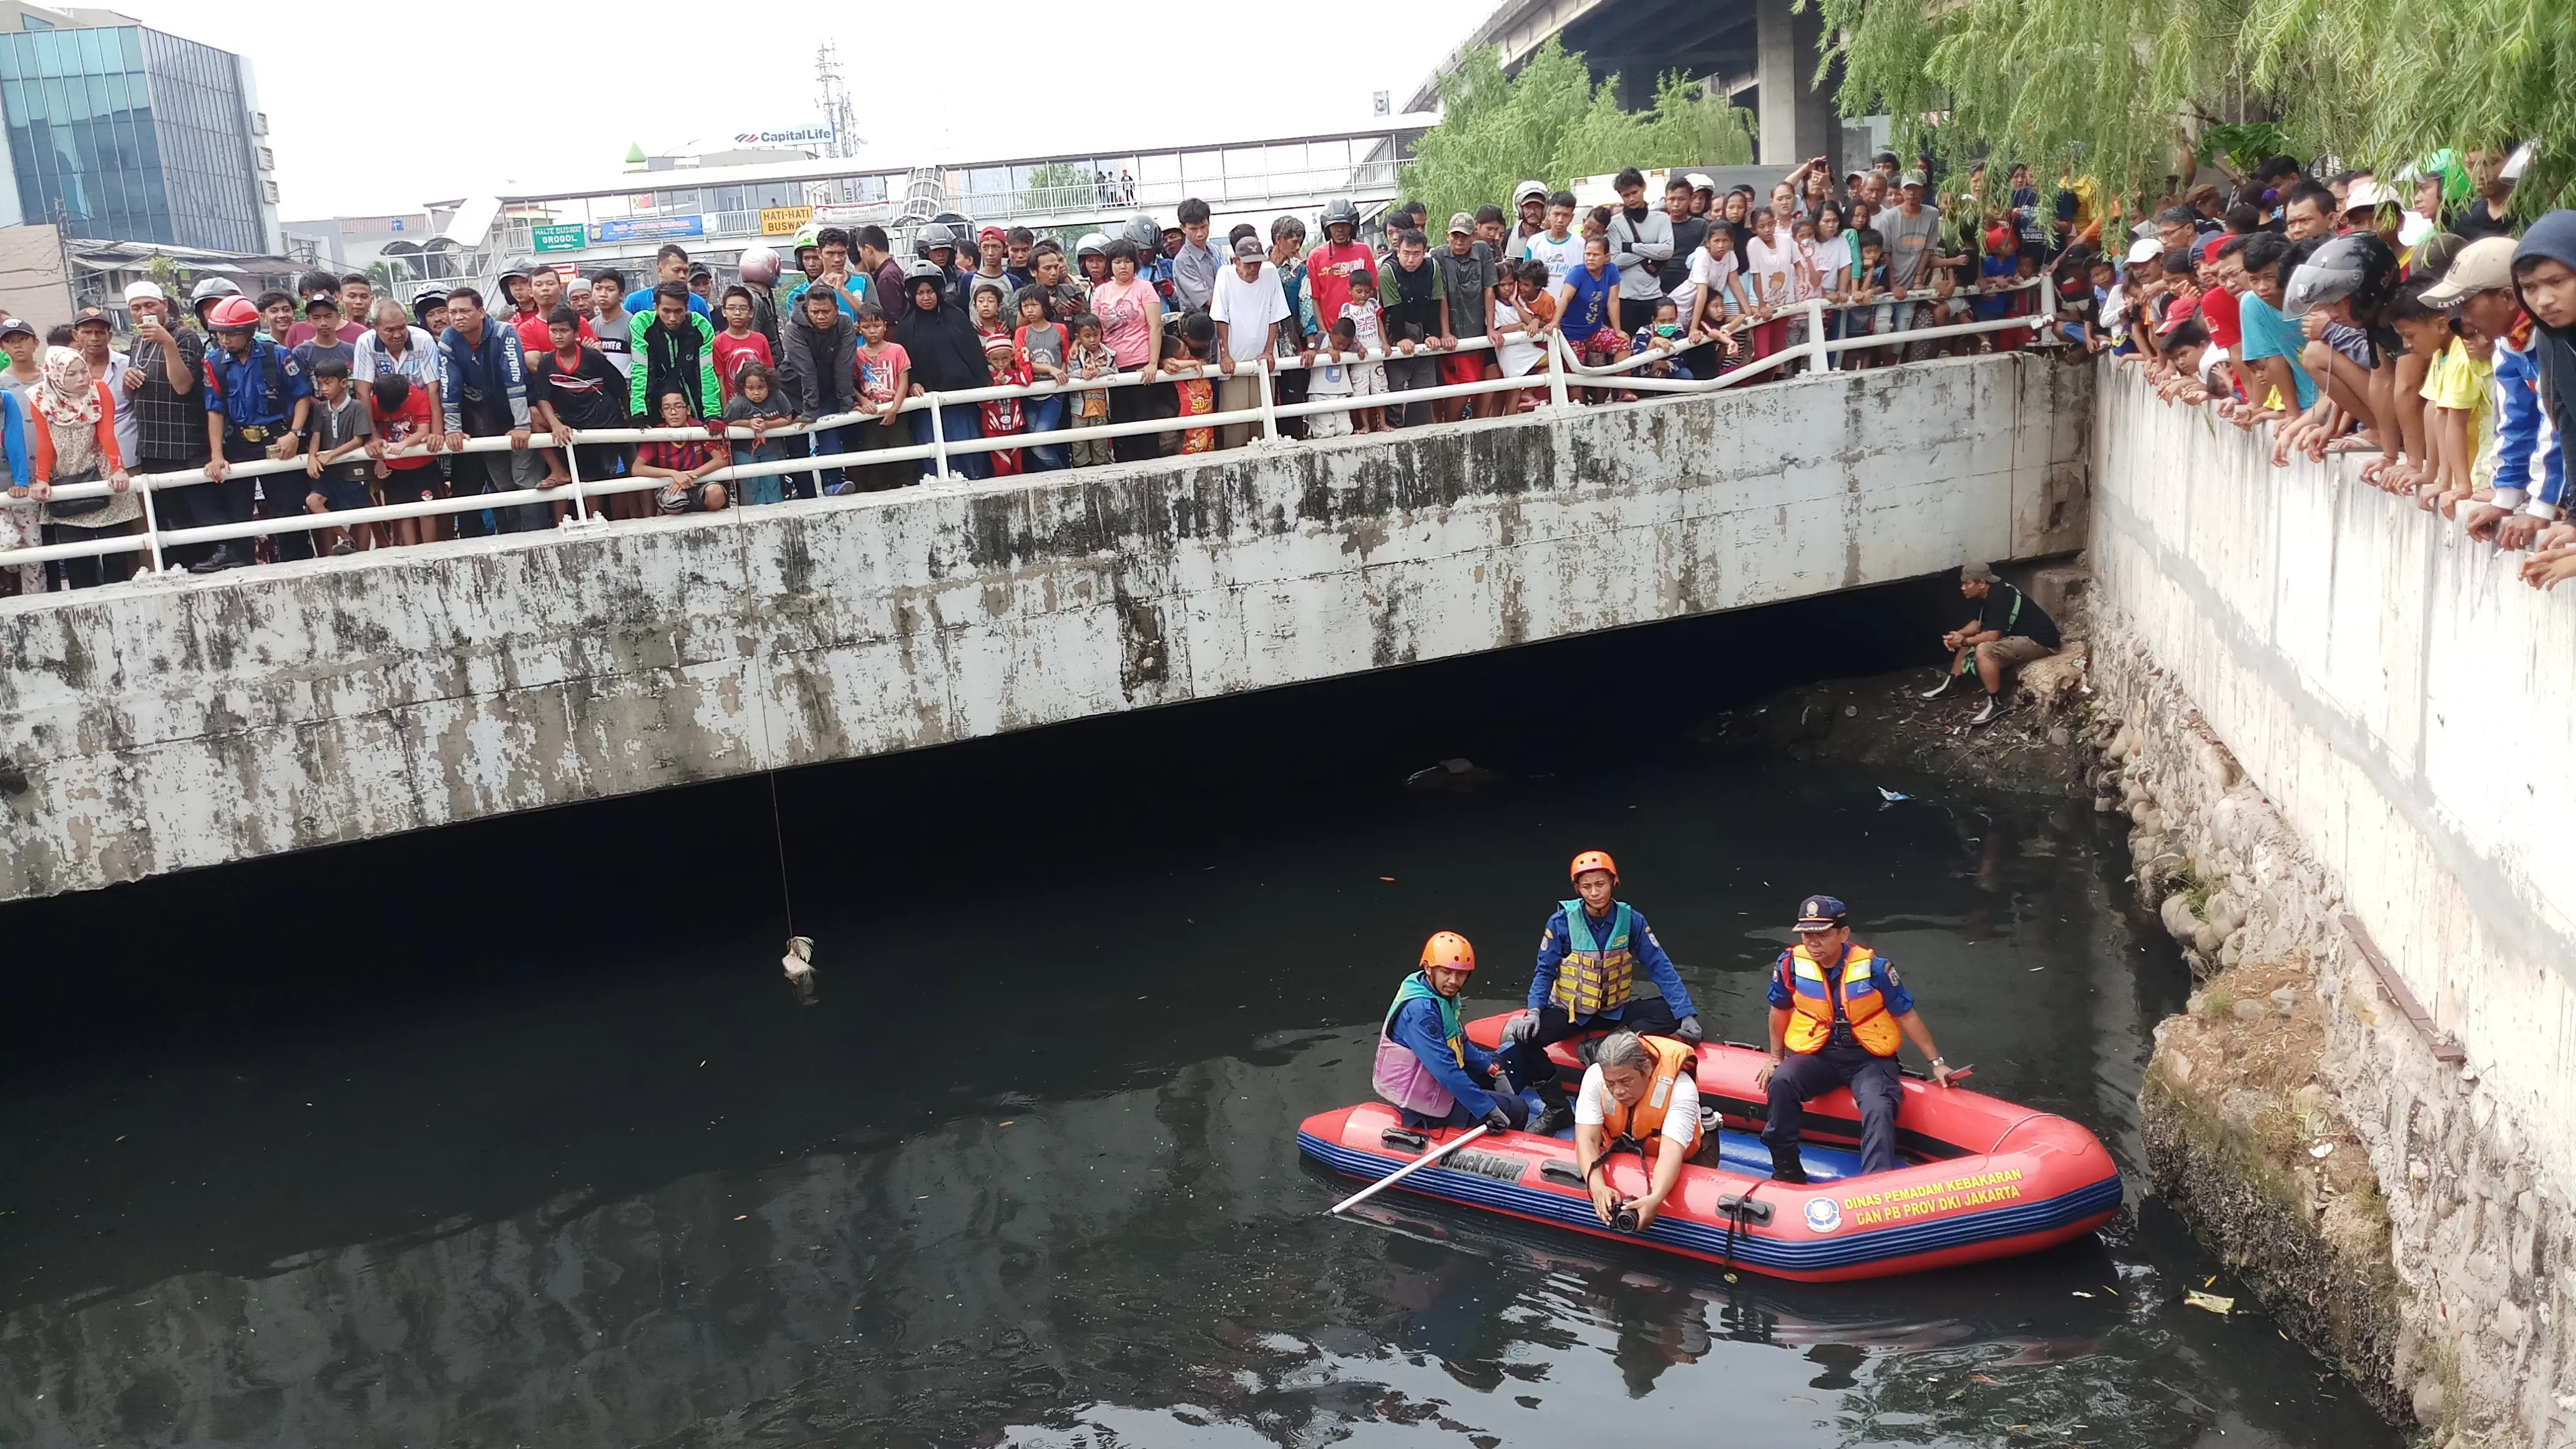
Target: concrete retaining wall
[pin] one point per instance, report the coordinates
(2399, 701)
(186, 723)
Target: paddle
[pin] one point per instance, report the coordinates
(1407, 1170)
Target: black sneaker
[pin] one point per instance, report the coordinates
(221, 559)
(1785, 1166)
(1554, 1119)
(1993, 710)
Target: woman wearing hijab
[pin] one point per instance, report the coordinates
(75, 433)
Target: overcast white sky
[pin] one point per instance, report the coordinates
(350, 88)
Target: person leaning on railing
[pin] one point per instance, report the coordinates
(75, 433)
(257, 402)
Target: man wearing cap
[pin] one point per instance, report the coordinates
(1910, 230)
(1467, 276)
(2008, 632)
(169, 418)
(2531, 465)
(1247, 306)
(1836, 1014)
(256, 401)
(1587, 961)
(1425, 1064)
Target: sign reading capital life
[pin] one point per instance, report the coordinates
(814, 135)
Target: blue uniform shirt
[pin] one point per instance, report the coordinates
(1650, 959)
(238, 387)
(1881, 975)
(1417, 1029)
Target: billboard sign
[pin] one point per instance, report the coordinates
(813, 134)
(647, 228)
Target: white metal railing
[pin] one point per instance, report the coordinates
(942, 451)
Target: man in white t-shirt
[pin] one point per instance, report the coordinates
(1247, 306)
(1638, 1096)
(1557, 248)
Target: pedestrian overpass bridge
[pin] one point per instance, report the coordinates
(178, 722)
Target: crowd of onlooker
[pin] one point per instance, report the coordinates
(2409, 319)
(377, 398)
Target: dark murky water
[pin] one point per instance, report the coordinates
(512, 1134)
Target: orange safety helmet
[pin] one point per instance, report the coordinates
(1449, 951)
(1592, 860)
(233, 314)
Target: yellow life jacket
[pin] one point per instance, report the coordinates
(1594, 975)
(1643, 1124)
(1813, 1004)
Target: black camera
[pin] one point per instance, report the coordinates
(1624, 1220)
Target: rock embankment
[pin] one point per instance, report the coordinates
(2353, 1172)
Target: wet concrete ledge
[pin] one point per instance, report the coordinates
(185, 723)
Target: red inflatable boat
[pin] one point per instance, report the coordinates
(1981, 1178)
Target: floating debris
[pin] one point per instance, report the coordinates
(2211, 1301)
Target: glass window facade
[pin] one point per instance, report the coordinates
(127, 134)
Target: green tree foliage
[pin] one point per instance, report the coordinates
(1551, 123)
(2114, 89)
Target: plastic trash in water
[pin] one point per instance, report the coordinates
(1892, 796)
(2211, 1301)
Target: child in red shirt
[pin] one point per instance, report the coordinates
(737, 346)
(406, 435)
(1002, 414)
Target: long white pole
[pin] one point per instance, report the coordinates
(1407, 1170)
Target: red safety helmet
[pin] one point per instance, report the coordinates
(1592, 860)
(233, 314)
(1449, 951)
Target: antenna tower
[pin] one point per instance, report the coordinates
(837, 110)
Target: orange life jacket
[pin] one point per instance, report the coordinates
(1812, 1002)
(1643, 1124)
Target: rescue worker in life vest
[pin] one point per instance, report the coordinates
(1836, 1014)
(1639, 1095)
(1586, 964)
(1425, 1064)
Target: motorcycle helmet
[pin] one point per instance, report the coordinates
(2357, 268)
(207, 292)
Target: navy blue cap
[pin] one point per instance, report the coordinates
(1820, 913)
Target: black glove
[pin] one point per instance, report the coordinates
(1689, 1029)
(1498, 1119)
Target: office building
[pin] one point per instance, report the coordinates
(119, 132)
